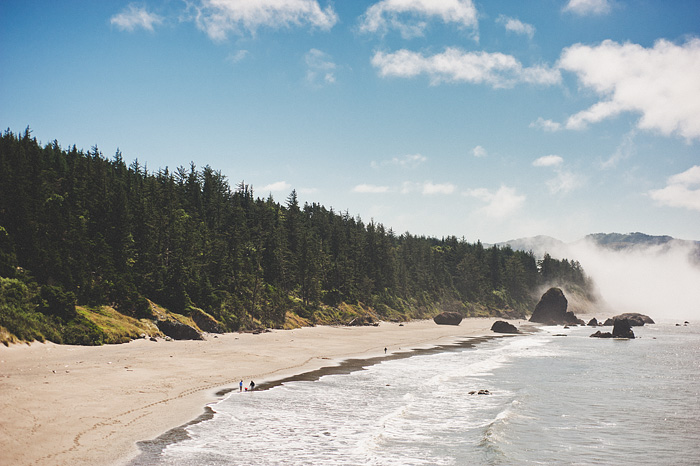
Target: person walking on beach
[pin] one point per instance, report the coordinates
(252, 385)
(240, 385)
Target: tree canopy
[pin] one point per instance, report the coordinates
(78, 227)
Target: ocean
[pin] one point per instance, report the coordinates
(554, 400)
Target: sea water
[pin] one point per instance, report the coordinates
(553, 400)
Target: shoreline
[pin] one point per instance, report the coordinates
(95, 405)
(150, 449)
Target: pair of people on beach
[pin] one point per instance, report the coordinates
(240, 386)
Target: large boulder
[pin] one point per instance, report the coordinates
(551, 309)
(179, 331)
(448, 318)
(593, 322)
(636, 319)
(622, 328)
(501, 326)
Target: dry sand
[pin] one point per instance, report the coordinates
(74, 405)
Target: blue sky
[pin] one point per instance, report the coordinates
(487, 120)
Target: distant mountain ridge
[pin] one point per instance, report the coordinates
(541, 244)
(617, 241)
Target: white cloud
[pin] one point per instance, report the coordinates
(564, 182)
(134, 17)
(454, 65)
(407, 161)
(277, 186)
(547, 125)
(500, 204)
(548, 161)
(319, 66)
(438, 188)
(409, 16)
(219, 17)
(370, 189)
(479, 151)
(588, 7)
(682, 190)
(516, 26)
(660, 83)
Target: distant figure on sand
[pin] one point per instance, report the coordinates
(384, 350)
(252, 385)
(240, 385)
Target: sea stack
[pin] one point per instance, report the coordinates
(622, 328)
(551, 309)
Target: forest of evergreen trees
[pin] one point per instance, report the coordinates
(79, 228)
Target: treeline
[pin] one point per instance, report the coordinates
(91, 230)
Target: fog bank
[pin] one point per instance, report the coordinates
(661, 281)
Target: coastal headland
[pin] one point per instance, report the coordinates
(78, 405)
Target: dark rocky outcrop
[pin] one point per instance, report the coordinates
(600, 334)
(480, 392)
(636, 319)
(501, 326)
(448, 318)
(551, 310)
(179, 331)
(593, 322)
(622, 328)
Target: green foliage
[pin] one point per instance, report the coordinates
(95, 231)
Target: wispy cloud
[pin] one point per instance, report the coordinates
(407, 161)
(455, 65)
(370, 189)
(411, 18)
(682, 190)
(218, 18)
(320, 67)
(565, 181)
(516, 26)
(276, 187)
(660, 83)
(479, 151)
(546, 125)
(237, 56)
(430, 188)
(588, 7)
(548, 161)
(624, 151)
(499, 204)
(134, 17)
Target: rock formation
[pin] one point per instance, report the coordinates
(593, 322)
(501, 326)
(448, 318)
(551, 310)
(636, 319)
(622, 328)
(179, 331)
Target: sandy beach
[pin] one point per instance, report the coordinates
(71, 405)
